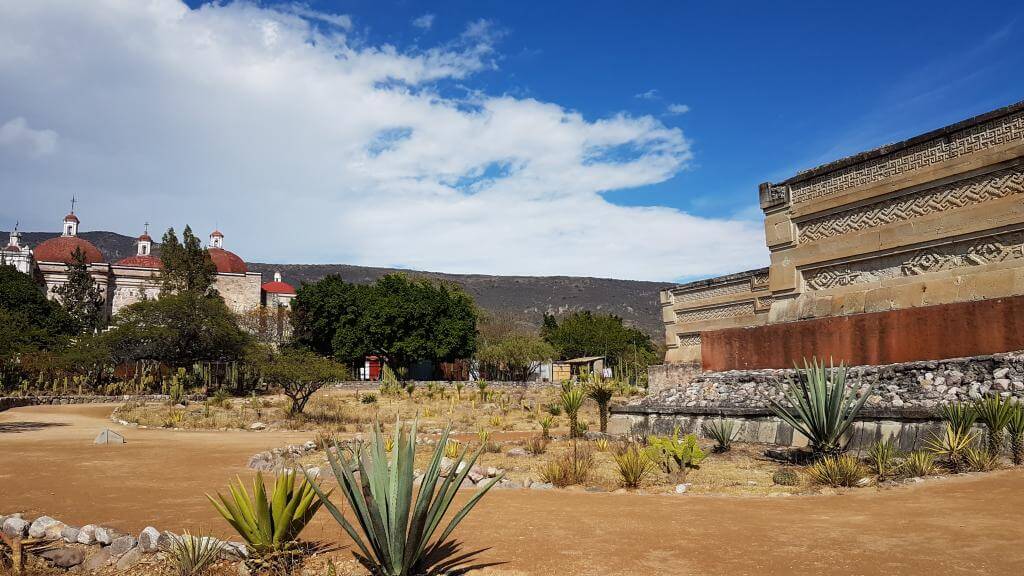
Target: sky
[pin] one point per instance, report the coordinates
(590, 138)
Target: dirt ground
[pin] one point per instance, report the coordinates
(970, 524)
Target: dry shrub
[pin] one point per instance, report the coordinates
(572, 467)
(537, 445)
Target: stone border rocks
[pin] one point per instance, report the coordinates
(8, 402)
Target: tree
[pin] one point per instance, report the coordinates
(178, 330)
(589, 334)
(29, 320)
(513, 357)
(267, 325)
(187, 265)
(80, 296)
(398, 318)
(300, 373)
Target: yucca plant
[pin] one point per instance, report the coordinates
(953, 443)
(917, 464)
(634, 466)
(572, 399)
(995, 412)
(601, 391)
(536, 445)
(1015, 428)
(837, 470)
(191, 555)
(722, 431)
(980, 459)
(601, 444)
(883, 458)
(572, 467)
(820, 406)
(961, 416)
(393, 530)
(270, 524)
(451, 448)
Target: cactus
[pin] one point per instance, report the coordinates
(786, 477)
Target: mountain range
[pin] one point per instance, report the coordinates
(526, 298)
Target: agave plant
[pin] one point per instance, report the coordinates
(917, 464)
(722, 431)
(882, 456)
(959, 415)
(395, 532)
(634, 466)
(191, 555)
(572, 400)
(601, 391)
(1015, 428)
(981, 459)
(838, 470)
(820, 406)
(995, 412)
(953, 443)
(270, 525)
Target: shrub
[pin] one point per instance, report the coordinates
(397, 533)
(451, 449)
(554, 409)
(546, 422)
(981, 459)
(572, 400)
(995, 412)
(676, 455)
(368, 398)
(634, 466)
(918, 463)
(220, 398)
(601, 391)
(953, 443)
(496, 421)
(601, 444)
(1015, 428)
(537, 445)
(882, 457)
(959, 415)
(572, 467)
(723, 432)
(786, 477)
(820, 406)
(191, 555)
(837, 470)
(270, 525)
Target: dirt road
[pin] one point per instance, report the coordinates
(964, 525)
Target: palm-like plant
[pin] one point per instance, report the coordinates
(601, 391)
(270, 524)
(572, 400)
(1015, 427)
(820, 406)
(953, 444)
(395, 534)
(191, 555)
(633, 465)
(995, 412)
(959, 415)
(722, 431)
(882, 456)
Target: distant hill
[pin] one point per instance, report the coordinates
(525, 297)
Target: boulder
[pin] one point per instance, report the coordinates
(122, 544)
(97, 561)
(542, 486)
(105, 535)
(16, 527)
(45, 527)
(87, 534)
(148, 540)
(257, 426)
(165, 540)
(517, 453)
(235, 551)
(129, 559)
(64, 557)
(69, 534)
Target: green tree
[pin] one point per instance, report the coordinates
(29, 320)
(513, 356)
(299, 373)
(589, 334)
(187, 265)
(397, 317)
(80, 296)
(178, 330)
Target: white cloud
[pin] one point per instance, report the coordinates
(426, 22)
(17, 136)
(677, 109)
(304, 147)
(651, 94)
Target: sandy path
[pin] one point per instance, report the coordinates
(964, 525)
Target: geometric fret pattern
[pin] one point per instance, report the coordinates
(722, 290)
(717, 312)
(979, 137)
(954, 195)
(689, 339)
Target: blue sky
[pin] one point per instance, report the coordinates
(615, 139)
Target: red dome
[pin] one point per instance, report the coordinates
(72, 218)
(141, 262)
(145, 238)
(59, 249)
(278, 288)
(12, 248)
(226, 261)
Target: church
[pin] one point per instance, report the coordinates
(136, 277)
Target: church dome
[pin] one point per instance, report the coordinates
(59, 249)
(141, 261)
(278, 288)
(227, 261)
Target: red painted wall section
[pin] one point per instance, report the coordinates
(926, 333)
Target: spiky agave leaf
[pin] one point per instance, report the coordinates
(393, 534)
(995, 412)
(192, 555)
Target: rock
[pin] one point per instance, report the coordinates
(310, 445)
(87, 534)
(122, 544)
(97, 561)
(517, 453)
(682, 488)
(45, 527)
(1001, 383)
(130, 558)
(1000, 373)
(69, 534)
(148, 540)
(594, 489)
(16, 527)
(467, 484)
(236, 549)
(105, 535)
(542, 486)
(257, 426)
(313, 472)
(65, 557)
(492, 471)
(165, 539)
(476, 474)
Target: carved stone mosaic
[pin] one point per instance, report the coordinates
(717, 312)
(976, 190)
(964, 254)
(712, 292)
(689, 339)
(980, 137)
(759, 282)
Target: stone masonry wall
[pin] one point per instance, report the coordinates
(8, 402)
